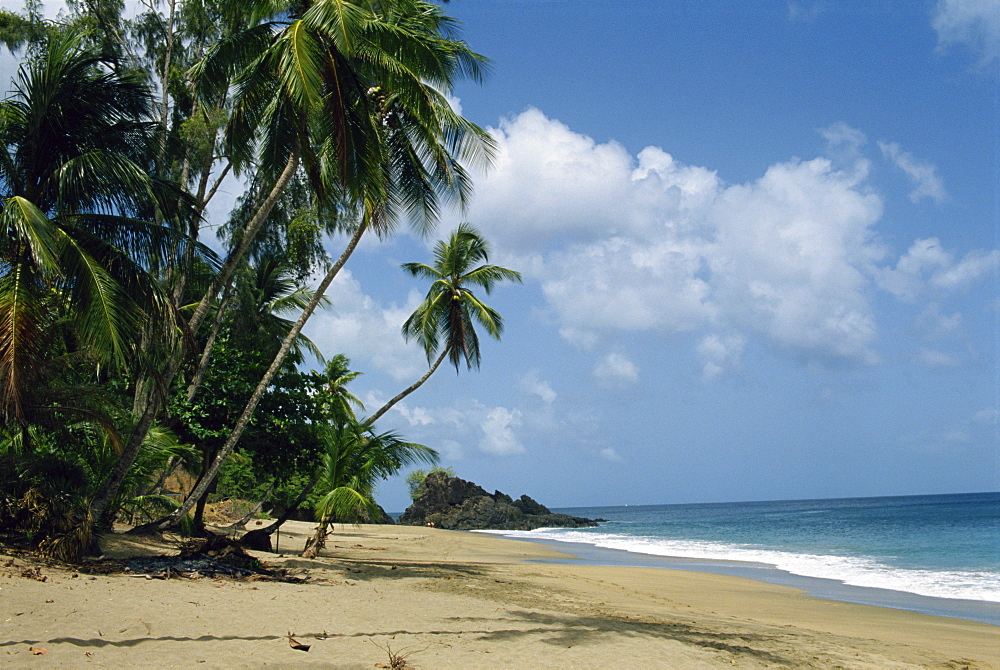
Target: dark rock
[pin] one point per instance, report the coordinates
(455, 504)
(529, 506)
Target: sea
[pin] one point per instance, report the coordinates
(937, 554)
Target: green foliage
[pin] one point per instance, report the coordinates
(237, 479)
(415, 480)
(117, 135)
(354, 459)
(17, 30)
(445, 320)
(48, 476)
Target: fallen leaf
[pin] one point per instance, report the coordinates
(38, 651)
(295, 644)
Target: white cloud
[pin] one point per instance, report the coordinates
(628, 284)
(616, 369)
(930, 358)
(845, 147)
(719, 353)
(535, 386)
(927, 183)
(415, 416)
(450, 450)
(645, 243)
(926, 264)
(790, 255)
(367, 332)
(804, 11)
(49, 10)
(548, 181)
(498, 432)
(974, 23)
(610, 454)
(974, 266)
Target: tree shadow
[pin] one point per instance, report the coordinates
(582, 630)
(563, 630)
(132, 642)
(367, 569)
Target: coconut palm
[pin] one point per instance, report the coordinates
(366, 77)
(444, 323)
(76, 198)
(354, 460)
(308, 80)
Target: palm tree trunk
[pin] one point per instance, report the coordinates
(173, 518)
(113, 484)
(315, 544)
(260, 538)
(206, 352)
(407, 391)
(257, 507)
(225, 273)
(165, 96)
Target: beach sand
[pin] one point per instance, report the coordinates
(446, 599)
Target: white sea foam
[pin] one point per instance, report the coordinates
(852, 570)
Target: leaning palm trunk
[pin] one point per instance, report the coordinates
(407, 391)
(251, 406)
(158, 396)
(258, 506)
(260, 538)
(317, 541)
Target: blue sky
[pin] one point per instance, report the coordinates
(760, 250)
(759, 243)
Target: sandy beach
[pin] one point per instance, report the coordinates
(444, 599)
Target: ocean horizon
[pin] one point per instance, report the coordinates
(937, 554)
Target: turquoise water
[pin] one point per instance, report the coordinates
(940, 546)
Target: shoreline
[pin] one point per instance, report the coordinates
(448, 599)
(982, 611)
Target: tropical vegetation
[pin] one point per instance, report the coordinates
(131, 345)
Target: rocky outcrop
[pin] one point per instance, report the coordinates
(456, 504)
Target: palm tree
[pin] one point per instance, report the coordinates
(77, 240)
(391, 144)
(308, 80)
(336, 409)
(355, 459)
(444, 323)
(253, 310)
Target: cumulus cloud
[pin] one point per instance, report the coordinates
(615, 369)
(369, 333)
(622, 243)
(927, 265)
(535, 386)
(646, 243)
(973, 23)
(789, 258)
(498, 432)
(719, 353)
(926, 182)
